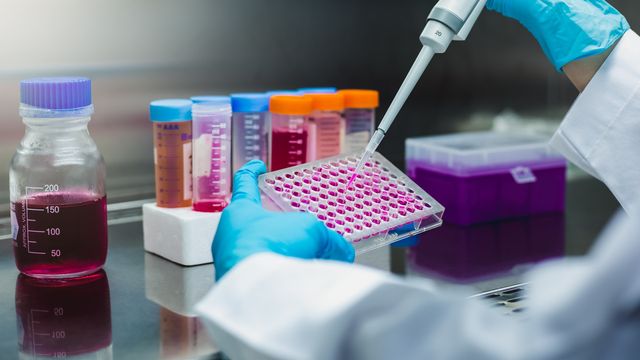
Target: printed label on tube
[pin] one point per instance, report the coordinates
(188, 179)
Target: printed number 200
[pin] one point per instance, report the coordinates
(51, 187)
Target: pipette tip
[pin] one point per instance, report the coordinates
(351, 180)
(366, 156)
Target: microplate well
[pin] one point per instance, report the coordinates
(381, 206)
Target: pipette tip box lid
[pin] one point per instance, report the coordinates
(381, 206)
(181, 235)
(489, 176)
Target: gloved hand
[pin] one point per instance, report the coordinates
(567, 30)
(246, 228)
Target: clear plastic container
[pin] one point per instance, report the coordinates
(289, 130)
(57, 183)
(381, 207)
(64, 319)
(212, 155)
(172, 151)
(326, 125)
(488, 176)
(360, 118)
(251, 126)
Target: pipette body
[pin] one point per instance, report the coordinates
(448, 21)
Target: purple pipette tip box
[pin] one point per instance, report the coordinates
(489, 176)
(381, 206)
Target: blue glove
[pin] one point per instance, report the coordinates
(567, 30)
(246, 228)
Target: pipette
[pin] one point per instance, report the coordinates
(449, 20)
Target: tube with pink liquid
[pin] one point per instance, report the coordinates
(211, 153)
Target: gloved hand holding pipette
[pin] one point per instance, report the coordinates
(567, 30)
(576, 35)
(246, 229)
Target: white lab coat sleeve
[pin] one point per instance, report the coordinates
(601, 131)
(274, 307)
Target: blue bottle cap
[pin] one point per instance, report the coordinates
(56, 93)
(250, 102)
(283, 92)
(318, 90)
(211, 99)
(170, 110)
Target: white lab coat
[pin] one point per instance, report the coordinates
(273, 307)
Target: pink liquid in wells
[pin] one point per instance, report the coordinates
(61, 234)
(377, 200)
(63, 318)
(289, 148)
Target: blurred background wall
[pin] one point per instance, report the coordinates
(136, 51)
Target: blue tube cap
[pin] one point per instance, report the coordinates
(318, 90)
(170, 110)
(211, 99)
(250, 102)
(283, 92)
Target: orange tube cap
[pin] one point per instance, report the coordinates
(327, 102)
(290, 105)
(361, 99)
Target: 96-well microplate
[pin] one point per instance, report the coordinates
(381, 206)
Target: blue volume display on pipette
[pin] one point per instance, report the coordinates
(449, 20)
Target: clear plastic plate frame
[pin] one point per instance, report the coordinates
(382, 205)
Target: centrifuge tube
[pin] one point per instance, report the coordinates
(211, 154)
(251, 126)
(289, 130)
(359, 115)
(172, 151)
(326, 125)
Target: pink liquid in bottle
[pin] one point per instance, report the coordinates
(64, 318)
(290, 130)
(61, 234)
(289, 148)
(211, 204)
(213, 190)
